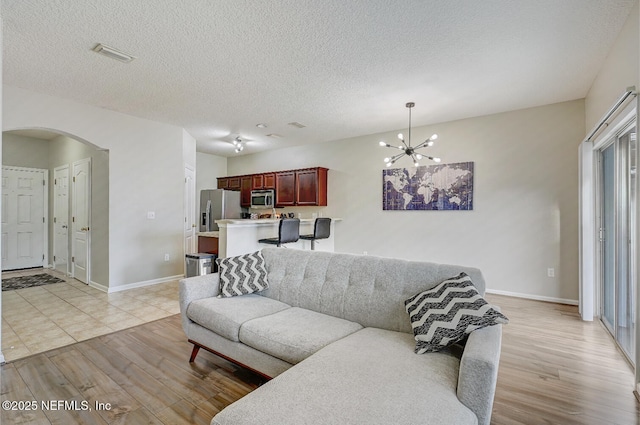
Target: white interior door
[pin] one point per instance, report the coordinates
(61, 219)
(23, 217)
(189, 210)
(80, 220)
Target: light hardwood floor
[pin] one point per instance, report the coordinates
(555, 369)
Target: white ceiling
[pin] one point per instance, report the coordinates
(343, 68)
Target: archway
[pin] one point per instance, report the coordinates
(51, 149)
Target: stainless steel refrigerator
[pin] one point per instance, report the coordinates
(218, 204)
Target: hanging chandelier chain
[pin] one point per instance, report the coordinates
(410, 105)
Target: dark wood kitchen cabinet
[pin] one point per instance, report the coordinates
(208, 244)
(269, 180)
(257, 181)
(263, 181)
(286, 189)
(234, 183)
(245, 191)
(304, 187)
(311, 187)
(307, 187)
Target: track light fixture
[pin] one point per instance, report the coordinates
(237, 142)
(406, 147)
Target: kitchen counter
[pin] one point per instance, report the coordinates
(254, 221)
(215, 234)
(240, 236)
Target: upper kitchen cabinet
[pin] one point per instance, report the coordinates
(307, 187)
(264, 181)
(286, 189)
(311, 187)
(223, 183)
(234, 183)
(245, 191)
(269, 180)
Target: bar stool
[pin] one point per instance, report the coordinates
(288, 232)
(321, 230)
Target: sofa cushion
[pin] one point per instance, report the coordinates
(449, 312)
(369, 377)
(242, 275)
(224, 316)
(361, 288)
(294, 334)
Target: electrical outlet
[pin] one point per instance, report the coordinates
(365, 253)
(166, 257)
(151, 215)
(551, 272)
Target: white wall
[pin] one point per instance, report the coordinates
(525, 216)
(144, 175)
(188, 149)
(22, 151)
(619, 71)
(208, 169)
(64, 151)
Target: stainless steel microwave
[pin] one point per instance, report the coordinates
(262, 199)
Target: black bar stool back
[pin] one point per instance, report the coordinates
(321, 230)
(288, 232)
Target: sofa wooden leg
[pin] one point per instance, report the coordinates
(194, 353)
(197, 346)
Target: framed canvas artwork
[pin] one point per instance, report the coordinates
(428, 187)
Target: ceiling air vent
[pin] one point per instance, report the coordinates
(112, 53)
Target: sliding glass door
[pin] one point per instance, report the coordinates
(617, 238)
(607, 235)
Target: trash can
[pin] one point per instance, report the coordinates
(200, 264)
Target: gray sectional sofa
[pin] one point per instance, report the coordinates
(333, 332)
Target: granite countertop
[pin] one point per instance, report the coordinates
(215, 234)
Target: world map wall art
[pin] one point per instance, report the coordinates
(428, 187)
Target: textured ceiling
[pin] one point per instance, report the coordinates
(342, 68)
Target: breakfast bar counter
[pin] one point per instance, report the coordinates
(240, 236)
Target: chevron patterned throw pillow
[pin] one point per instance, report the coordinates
(241, 275)
(448, 313)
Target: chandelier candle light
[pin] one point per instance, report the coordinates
(406, 147)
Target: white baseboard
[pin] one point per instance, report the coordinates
(136, 284)
(532, 297)
(99, 286)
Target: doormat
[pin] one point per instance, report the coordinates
(21, 282)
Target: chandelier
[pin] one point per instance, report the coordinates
(407, 149)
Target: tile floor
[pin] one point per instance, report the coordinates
(45, 317)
